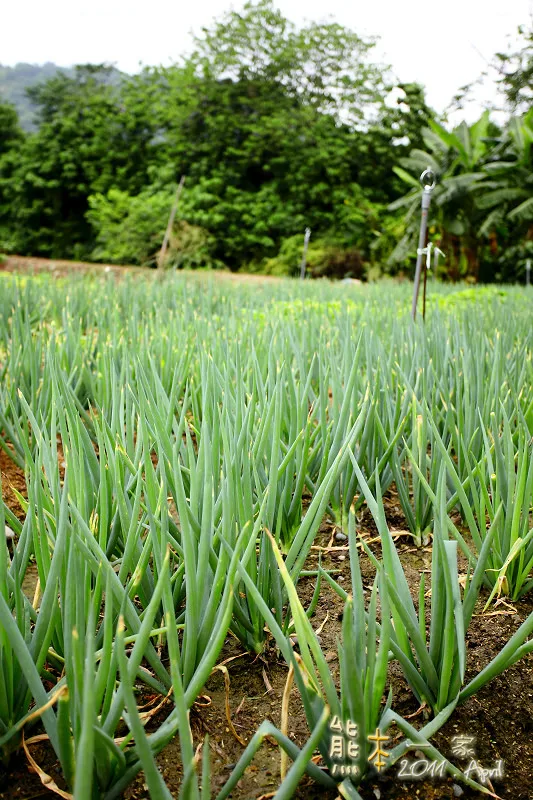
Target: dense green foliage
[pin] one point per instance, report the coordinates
(483, 204)
(183, 438)
(277, 128)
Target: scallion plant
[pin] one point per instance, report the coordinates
(434, 661)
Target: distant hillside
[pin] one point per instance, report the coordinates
(15, 80)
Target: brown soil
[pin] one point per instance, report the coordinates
(59, 268)
(12, 478)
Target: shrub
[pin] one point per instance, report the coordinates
(191, 247)
(324, 259)
(130, 229)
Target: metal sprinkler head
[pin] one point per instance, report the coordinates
(428, 179)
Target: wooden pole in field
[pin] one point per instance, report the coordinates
(166, 239)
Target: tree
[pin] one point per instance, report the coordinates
(325, 66)
(515, 70)
(269, 123)
(276, 127)
(510, 73)
(14, 82)
(507, 201)
(11, 139)
(397, 131)
(10, 132)
(90, 138)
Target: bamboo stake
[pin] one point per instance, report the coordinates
(166, 239)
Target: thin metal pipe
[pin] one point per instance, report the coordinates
(427, 251)
(304, 255)
(427, 179)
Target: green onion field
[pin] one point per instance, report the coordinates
(249, 524)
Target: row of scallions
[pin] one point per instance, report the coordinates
(182, 443)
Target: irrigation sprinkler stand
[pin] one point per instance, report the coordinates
(428, 180)
(307, 236)
(528, 272)
(427, 252)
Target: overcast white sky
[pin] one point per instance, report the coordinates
(442, 44)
